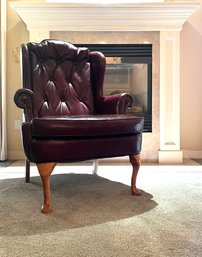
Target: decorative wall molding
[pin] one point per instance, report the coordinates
(170, 97)
(108, 17)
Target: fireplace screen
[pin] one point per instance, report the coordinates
(129, 70)
(129, 77)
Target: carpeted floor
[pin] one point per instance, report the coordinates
(199, 161)
(5, 164)
(95, 216)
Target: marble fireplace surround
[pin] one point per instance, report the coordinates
(156, 23)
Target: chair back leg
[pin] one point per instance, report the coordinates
(27, 171)
(95, 166)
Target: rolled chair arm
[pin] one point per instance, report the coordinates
(114, 104)
(23, 98)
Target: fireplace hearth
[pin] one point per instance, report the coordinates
(129, 70)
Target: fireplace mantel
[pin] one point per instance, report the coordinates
(105, 17)
(168, 18)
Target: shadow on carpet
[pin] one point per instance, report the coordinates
(78, 200)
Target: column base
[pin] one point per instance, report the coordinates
(170, 157)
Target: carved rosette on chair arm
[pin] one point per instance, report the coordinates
(23, 98)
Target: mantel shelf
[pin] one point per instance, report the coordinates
(99, 17)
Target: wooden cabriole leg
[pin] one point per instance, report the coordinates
(45, 170)
(27, 171)
(135, 161)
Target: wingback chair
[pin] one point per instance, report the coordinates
(67, 118)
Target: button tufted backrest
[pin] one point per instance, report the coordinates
(59, 75)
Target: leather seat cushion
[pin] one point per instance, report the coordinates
(86, 126)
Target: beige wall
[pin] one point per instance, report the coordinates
(191, 84)
(16, 34)
(191, 96)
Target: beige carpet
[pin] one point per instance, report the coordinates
(94, 216)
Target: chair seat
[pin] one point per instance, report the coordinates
(86, 126)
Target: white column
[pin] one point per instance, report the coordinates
(3, 127)
(170, 98)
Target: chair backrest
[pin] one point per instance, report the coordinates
(59, 75)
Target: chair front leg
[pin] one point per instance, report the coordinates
(45, 170)
(135, 161)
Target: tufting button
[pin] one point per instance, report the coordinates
(62, 99)
(45, 98)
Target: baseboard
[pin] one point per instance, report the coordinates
(192, 154)
(16, 155)
(187, 154)
(170, 157)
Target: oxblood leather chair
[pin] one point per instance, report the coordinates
(67, 118)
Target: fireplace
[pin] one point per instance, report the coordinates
(129, 70)
(136, 23)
